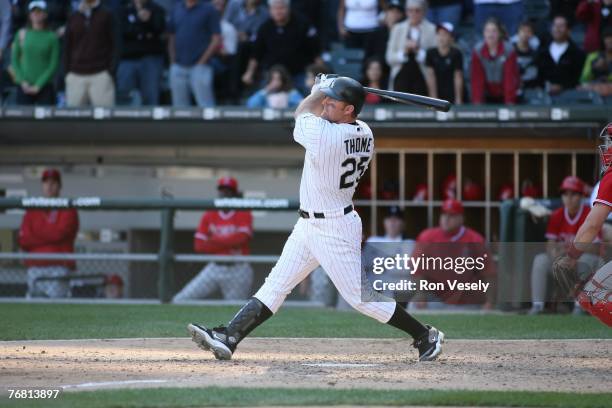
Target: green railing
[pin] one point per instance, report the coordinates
(166, 256)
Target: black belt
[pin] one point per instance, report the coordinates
(304, 214)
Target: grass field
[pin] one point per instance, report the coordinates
(69, 321)
(240, 397)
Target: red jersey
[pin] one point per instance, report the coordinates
(451, 247)
(604, 194)
(49, 231)
(563, 228)
(224, 233)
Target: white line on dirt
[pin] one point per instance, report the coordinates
(339, 365)
(301, 338)
(111, 383)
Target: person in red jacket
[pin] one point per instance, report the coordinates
(597, 14)
(495, 74)
(563, 225)
(222, 233)
(49, 231)
(452, 239)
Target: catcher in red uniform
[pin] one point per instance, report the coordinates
(594, 293)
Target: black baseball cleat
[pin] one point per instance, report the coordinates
(430, 344)
(214, 340)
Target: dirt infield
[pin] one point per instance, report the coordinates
(546, 365)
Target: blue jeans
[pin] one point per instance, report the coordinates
(197, 79)
(510, 15)
(144, 74)
(445, 14)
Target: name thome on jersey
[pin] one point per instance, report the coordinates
(358, 145)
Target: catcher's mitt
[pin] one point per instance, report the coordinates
(565, 273)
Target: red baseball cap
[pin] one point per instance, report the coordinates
(452, 206)
(572, 183)
(228, 182)
(51, 174)
(114, 280)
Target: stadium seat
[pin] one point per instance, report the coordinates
(347, 61)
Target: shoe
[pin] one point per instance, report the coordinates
(211, 340)
(534, 311)
(430, 344)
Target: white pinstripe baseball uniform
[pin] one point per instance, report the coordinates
(337, 155)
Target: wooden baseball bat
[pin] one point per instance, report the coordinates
(412, 99)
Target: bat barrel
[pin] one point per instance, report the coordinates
(412, 99)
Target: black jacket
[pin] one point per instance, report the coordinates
(567, 72)
(142, 38)
(295, 45)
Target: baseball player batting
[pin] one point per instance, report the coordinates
(593, 294)
(339, 148)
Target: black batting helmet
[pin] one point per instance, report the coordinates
(347, 90)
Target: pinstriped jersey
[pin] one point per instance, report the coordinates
(337, 156)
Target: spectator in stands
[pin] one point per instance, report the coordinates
(278, 93)
(453, 239)
(284, 39)
(562, 227)
(597, 71)
(58, 12)
(224, 61)
(358, 21)
(560, 62)
(597, 15)
(394, 13)
(195, 36)
(35, 57)
(222, 233)
(494, 69)
(526, 56)
(142, 58)
(508, 12)
(49, 231)
(374, 77)
(406, 50)
(445, 67)
(445, 11)
(312, 71)
(246, 16)
(90, 55)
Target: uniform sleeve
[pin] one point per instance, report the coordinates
(604, 195)
(308, 130)
(202, 231)
(554, 225)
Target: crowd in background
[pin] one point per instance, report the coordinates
(266, 53)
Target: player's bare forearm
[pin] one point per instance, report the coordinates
(592, 224)
(313, 103)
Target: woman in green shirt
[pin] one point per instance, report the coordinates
(35, 57)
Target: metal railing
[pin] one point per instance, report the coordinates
(166, 258)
